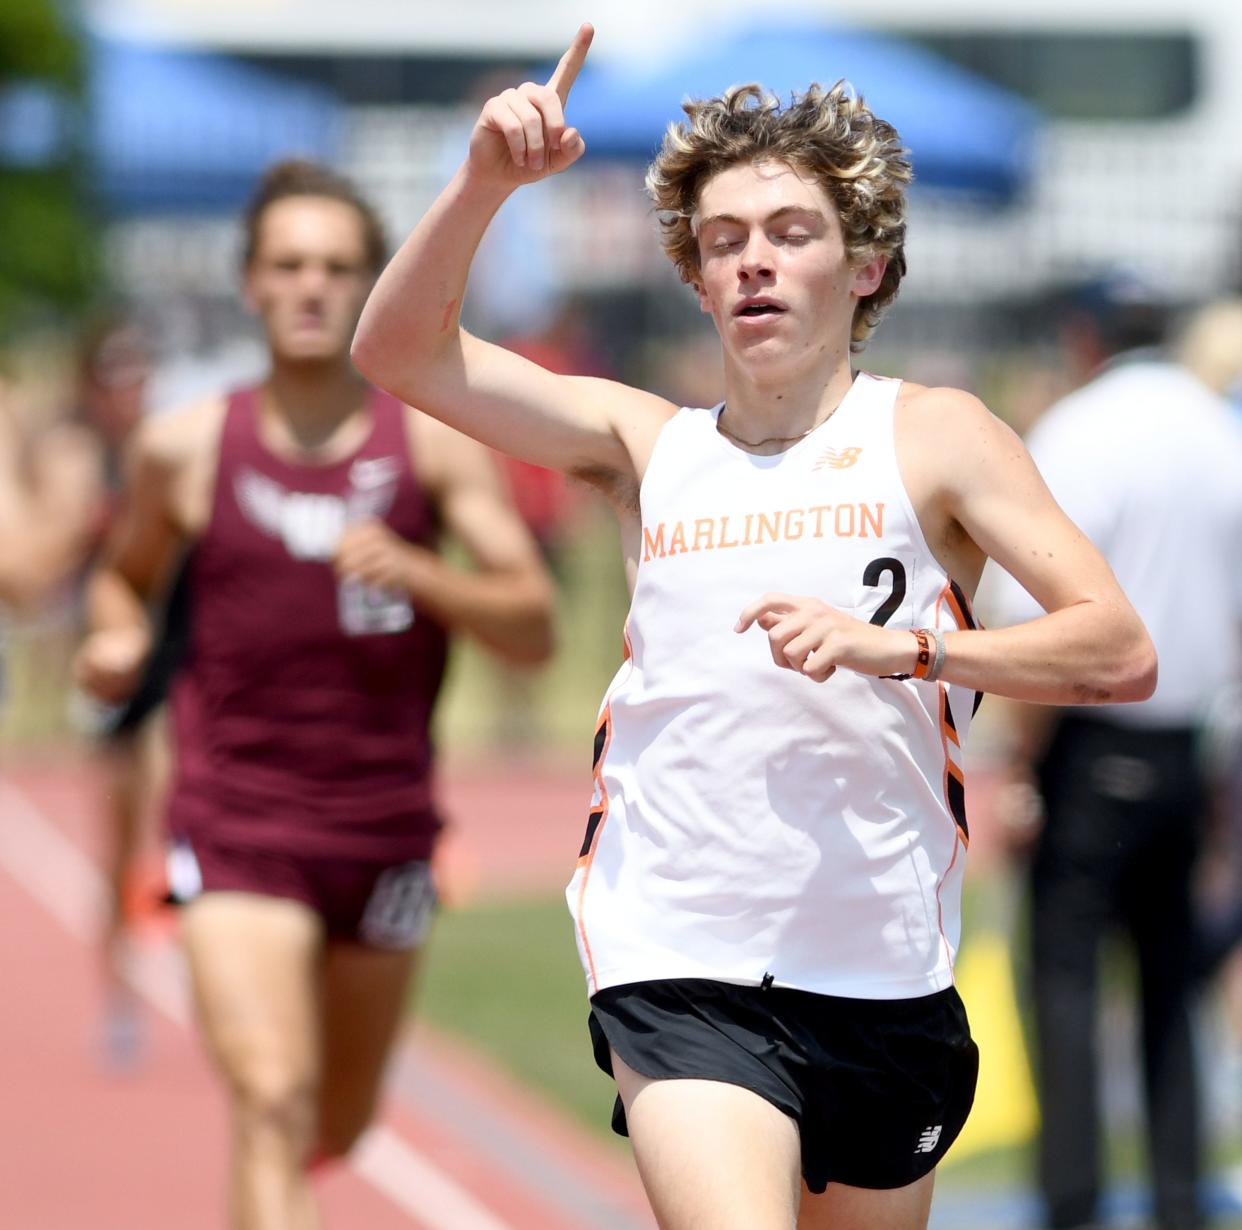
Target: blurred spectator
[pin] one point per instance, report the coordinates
(1146, 461)
(114, 370)
(48, 507)
(1211, 347)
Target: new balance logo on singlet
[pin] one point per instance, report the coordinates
(928, 1140)
(837, 458)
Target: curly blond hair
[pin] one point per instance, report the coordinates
(830, 135)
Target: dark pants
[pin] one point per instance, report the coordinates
(1124, 812)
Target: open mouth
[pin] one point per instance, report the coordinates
(759, 308)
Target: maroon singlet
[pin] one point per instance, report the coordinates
(302, 713)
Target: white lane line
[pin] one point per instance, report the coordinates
(50, 867)
(64, 881)
(412, 1183)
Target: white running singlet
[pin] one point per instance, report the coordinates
(748, 824)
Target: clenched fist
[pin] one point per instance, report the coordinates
(372, 553)
(109, 663)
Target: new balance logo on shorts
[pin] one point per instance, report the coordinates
(928, 1140)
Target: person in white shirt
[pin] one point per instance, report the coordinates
(1145, 459)
(766, 901)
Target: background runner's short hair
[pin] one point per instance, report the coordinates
(302, 177)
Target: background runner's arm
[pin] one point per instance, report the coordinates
(507, 602)
(410, 340)
(134, 569)
(50, 499)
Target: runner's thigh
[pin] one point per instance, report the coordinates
(365, 993)
(254, 962)
(859, 1208)
(711, 1154)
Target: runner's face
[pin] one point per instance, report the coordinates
(775, 275)
(114, 384)
(309, 278)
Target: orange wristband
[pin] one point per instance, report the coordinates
(922, 663)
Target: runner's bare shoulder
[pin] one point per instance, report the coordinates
(172, 462)
(950, 432)
(174, 439)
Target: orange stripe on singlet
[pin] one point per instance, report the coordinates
(599, 810)
(586, 859)
(953, 782)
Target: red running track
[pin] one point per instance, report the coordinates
(460, 1146)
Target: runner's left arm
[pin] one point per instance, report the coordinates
(1089, 646)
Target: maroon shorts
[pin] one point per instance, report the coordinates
(383, 905)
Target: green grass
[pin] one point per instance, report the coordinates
(506, 978)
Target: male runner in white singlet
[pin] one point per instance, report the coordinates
(766, 902)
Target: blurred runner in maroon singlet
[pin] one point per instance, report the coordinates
(302, 813)
(129, 740)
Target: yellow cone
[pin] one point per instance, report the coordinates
(1005, 1111)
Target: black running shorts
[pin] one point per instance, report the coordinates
(879, 1089)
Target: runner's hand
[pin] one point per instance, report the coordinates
(521, 135)
(109, 663)
(370, 552)
(812, 638)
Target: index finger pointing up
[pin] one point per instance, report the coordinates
(566, 72)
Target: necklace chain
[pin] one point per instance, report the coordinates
(771, 439)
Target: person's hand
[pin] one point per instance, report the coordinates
(1018, 808)
(812, 638)
(521, 135)
(370, 552)
(109, 663)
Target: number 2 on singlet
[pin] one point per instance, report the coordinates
(872, 576)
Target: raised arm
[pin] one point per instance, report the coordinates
(410, 340)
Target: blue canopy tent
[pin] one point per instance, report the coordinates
(179, 130)
(964, 133)
(35, 125)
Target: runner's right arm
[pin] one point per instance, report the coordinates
(410, 340)
(136, 564)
